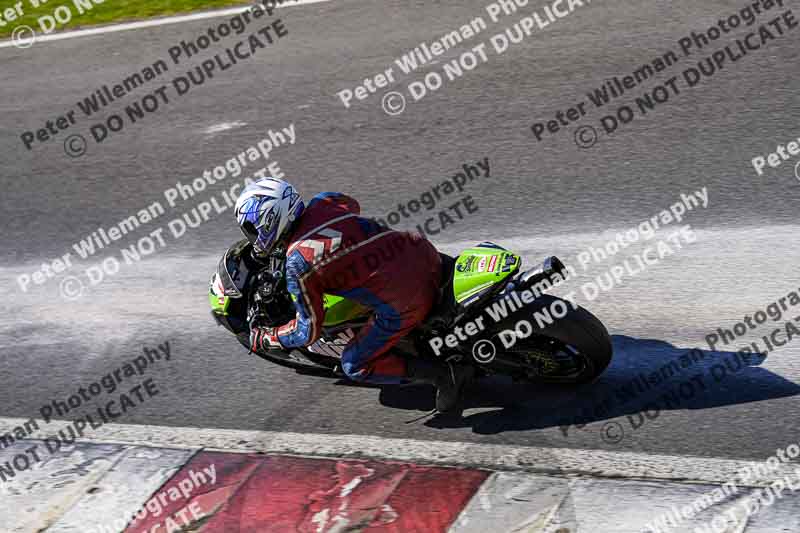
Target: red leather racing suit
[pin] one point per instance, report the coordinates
(396, 274)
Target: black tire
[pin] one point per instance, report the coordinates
(578, 328)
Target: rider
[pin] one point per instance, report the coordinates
(331, 249)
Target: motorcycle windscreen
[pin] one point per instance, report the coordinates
(233, 271)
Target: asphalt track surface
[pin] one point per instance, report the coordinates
(542, 198)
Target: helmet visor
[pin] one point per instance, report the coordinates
(250, 232)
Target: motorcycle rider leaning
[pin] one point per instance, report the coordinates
(327, 248)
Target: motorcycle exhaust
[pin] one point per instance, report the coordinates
(551, 271)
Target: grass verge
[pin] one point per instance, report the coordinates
(101, 12)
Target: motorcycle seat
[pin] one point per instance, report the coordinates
(446, 307)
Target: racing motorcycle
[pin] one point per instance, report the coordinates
(573, 348)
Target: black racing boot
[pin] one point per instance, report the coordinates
(449, 379)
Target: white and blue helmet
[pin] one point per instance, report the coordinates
(265, 210)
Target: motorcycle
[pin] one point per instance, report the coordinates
(565, 344)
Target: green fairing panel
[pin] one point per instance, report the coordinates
(481, 267)
(339, 310)
(219, 304)
(216, 296)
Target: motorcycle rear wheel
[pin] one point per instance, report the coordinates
(577, 345)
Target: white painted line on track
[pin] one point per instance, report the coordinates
(553, 461)
(162, 21)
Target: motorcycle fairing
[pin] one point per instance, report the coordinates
(339, 310)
